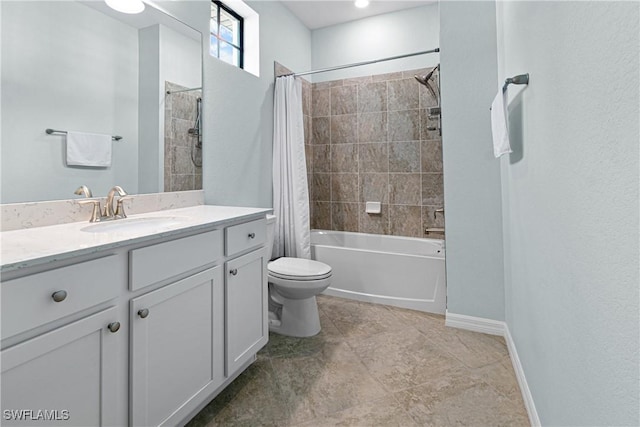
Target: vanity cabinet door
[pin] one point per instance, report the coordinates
(247, 330)
(176, 348)
(67, 377)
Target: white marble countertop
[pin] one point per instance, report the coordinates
(35, 246)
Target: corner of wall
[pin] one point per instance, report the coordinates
(472, 177)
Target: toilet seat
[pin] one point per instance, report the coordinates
(298, 269)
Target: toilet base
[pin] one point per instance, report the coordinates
(297, 317)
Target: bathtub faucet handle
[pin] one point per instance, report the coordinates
(435, 213)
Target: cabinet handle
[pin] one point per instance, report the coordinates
(233, 272)
(252, 235)
(114, 327)
(59, 296)
(143, 313)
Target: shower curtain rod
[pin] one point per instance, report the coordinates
(357, 64)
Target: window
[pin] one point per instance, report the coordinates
(226, 28)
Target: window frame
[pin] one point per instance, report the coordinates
(240, 46)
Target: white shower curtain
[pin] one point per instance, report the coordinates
(290, 191)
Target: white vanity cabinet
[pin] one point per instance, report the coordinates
(246, 309)
(65, 373)
(145, 333)
(64, 377)
(247, 328)
(174, 337)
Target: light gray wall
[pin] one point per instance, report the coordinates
(238, 106)
(150, 176)
(165, 55)
(238, 119)
(571, 206)
(376, 37)
(468, 75)
(180, 60)
(56, 74)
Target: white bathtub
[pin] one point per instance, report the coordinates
(400, 271)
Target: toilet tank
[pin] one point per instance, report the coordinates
(271, 226)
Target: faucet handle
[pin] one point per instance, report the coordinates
(435, 213)
(120, 213)
(96, 216)
(83, 190)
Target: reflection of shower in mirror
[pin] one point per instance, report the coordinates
(183, 137)
(196, 130)
(196, 134)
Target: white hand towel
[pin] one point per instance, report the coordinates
(88, 149)
(499, 125)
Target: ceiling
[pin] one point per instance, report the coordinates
(150, 16)
(319, 14)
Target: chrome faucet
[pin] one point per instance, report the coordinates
(437, 211)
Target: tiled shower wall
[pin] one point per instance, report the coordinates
(368, 139)
(181, 173)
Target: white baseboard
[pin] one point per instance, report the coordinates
(495, 327)
(476, 324)
(522, 380)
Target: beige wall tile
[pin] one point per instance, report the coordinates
(321, 130)
(432, 189)
(321, 157)
(372, 127)
(404, 125)
(321, 184)
(374, 187)
(321, 102)
(374, 223)
(404, 156)
(404, 94)
(344, 216)
(404, 188)
(344, 129)
(405, 221)
(386, 77)
(344, 100)
(344, 158)
(321, 219)
(431, 153)
(373, 157)
(344, 187)
(372, 97)
(427, 122)
(383, 153)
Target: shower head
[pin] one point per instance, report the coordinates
(422, 79)
(425, 79)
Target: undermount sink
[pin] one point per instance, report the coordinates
(134, 224)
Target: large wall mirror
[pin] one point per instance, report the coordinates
(81, 66)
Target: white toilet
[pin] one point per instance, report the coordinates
(293, 286)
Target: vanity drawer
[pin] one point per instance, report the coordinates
(34, 300)
(156, 263)
(245, 236)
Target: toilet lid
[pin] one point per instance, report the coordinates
(298, 269)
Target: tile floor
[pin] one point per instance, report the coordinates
(374, 365)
